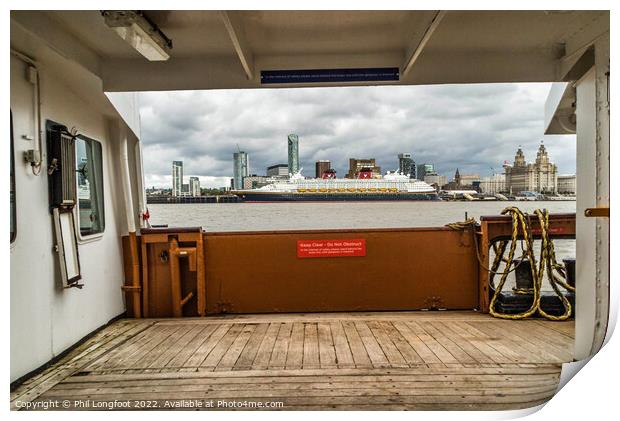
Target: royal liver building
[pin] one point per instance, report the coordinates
(541, 176)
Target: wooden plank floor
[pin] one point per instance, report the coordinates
(396, 360)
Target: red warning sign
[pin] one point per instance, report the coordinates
(331, 248)
(552, 230)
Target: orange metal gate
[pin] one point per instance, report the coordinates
(260, 272)
(188, 272)
(402, 269)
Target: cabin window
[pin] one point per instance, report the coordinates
(89, 178)
(12, 198)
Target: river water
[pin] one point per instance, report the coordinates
(326, 215)
(216, 217)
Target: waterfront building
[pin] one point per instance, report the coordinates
(357, 164)
(455, 184)
(177, 177)
(435, 179)
(493, 184)
(406, 165)
(293, 154)
(463, 182)
(278, 170)
(194, 186)
(241, 164)
(469, 179)
(254, 181)
(567, 184)
(185, 190)
(423, 169)
(539, 176)
(322, 166)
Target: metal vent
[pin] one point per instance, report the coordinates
(61, 167)
(67, 170)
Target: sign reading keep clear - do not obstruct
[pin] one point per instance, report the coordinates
(331, 248)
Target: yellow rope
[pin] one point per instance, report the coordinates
(547, 261)
(552, 267)
(471, 223)
(518, 224)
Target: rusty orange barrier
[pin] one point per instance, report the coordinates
(322, 270)
(399, 269)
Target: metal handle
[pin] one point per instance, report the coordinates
(600, 212)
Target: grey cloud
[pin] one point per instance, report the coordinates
(472, 127)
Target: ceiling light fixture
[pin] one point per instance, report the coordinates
(138, 31)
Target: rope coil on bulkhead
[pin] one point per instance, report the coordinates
(521, 233)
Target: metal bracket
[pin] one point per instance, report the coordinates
(599, 212)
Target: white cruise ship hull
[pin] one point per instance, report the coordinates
(261, 196)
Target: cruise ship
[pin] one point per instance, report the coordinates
(393, 186)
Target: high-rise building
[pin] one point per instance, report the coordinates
(241, 164)
(194, 186)
(424, 169)
(357, 164)
(293, 153)
(541, 176)
(177, 178)
(406, 164)
(278, 170)
(321, 167)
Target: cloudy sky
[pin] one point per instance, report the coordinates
(470, 127)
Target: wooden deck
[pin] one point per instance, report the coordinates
(408, 360)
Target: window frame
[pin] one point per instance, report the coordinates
(86, 238)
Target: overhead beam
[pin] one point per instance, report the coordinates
(237, 36)
(451, 66)
(414, 52)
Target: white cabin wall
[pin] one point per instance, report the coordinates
(45, 318)
(31, 265)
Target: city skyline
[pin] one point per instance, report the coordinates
(405, 162)
(479, 128)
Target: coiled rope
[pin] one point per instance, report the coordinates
(521, 233)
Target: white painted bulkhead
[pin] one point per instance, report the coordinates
(593, 170)
(46, 318)
(582, 108)
(586, 227)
